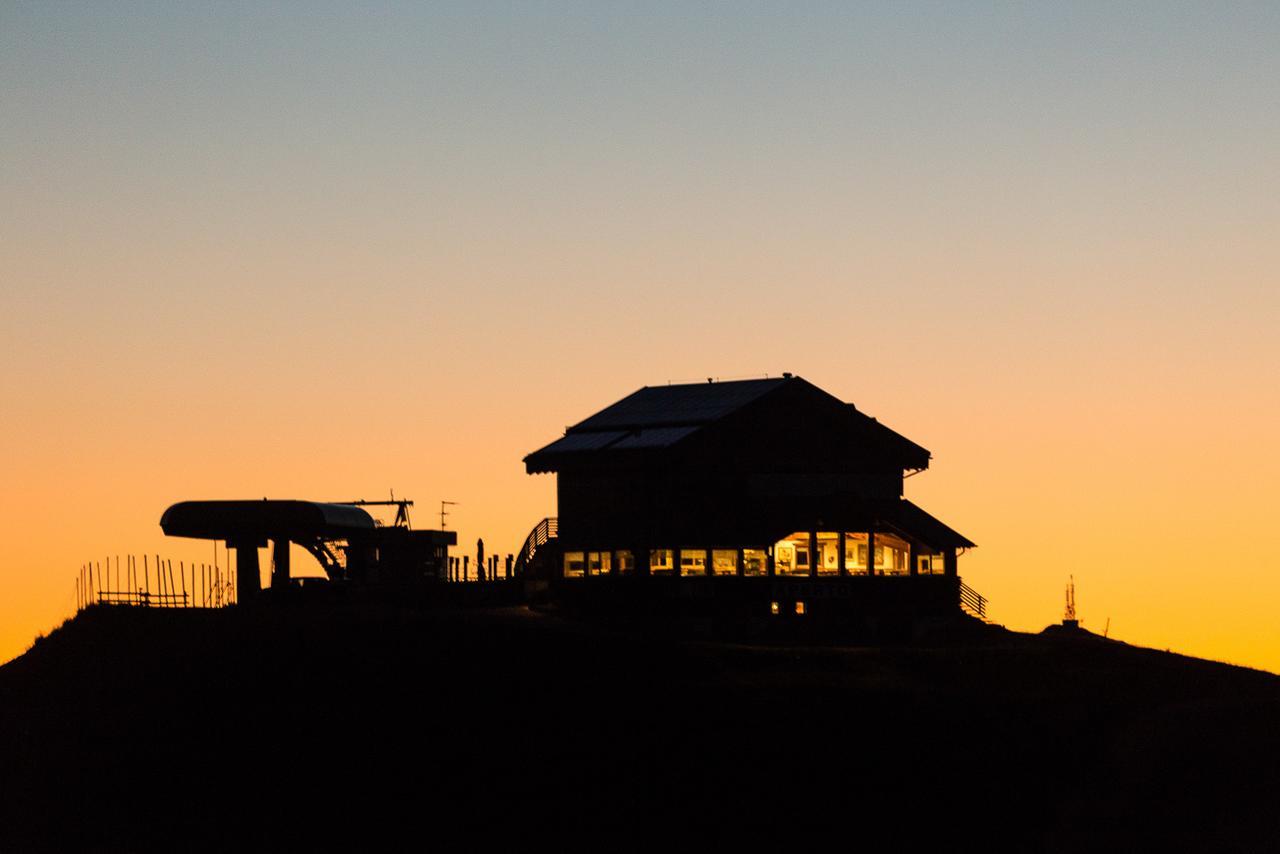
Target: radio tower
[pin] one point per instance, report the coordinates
(1069, 615)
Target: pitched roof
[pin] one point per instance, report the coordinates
(659, 417)
(653, 417)
(677, 405)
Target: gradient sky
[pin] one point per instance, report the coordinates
(315, 251)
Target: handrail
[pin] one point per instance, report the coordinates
(545, 530)
(973, 601)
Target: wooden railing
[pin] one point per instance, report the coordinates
(973, 601)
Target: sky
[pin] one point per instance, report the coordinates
(326, 251)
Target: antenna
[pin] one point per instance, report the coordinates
(443, 512)
(1069, 614)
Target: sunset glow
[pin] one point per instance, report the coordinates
(325, 256)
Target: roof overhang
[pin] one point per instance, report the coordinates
(264, 519)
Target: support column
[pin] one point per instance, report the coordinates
(813, 554)
(280, 564)
(912, 559)
(841, 545)
(871, 550)
(248, 584)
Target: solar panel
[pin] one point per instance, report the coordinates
(582, 442)
(654, 437)
(697, 403)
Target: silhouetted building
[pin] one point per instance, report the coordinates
(761, 491)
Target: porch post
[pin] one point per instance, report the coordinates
(813, 554)
(911, 559)
(871, 549)
(840, 544)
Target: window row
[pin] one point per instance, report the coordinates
(793, 556)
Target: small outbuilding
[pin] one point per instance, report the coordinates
(346, 541)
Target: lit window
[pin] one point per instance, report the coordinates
(754, 562)
(574, 564)
(855, 553)
(773, 608)
(599, 563)
(791, 555)
(828, 553)
(625, 561)
(724, 561)
(693, 562)
(800, 608)
(661, 561)
(929, 565)
(891, 555)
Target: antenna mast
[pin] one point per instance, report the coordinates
(1069, 614)
(443, 512)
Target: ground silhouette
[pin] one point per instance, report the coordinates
(372, 724)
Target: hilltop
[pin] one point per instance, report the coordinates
(272, 728)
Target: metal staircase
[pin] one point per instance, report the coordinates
(543, 532)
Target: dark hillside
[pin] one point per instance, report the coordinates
(276, 729)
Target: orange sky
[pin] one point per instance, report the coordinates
(246, 254)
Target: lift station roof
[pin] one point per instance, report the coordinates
(263, 519)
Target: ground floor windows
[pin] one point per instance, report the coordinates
(892, 554)
(661, 561)
(599, 563)
(791, 555)
(693, 562)
(574, 564)
(578, 564)
(724, 561)
(625, 561)
(755, 562)
(819, 554)
(930, 565)
(828, 553)
(855, 553)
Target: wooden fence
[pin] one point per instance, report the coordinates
(153, 582)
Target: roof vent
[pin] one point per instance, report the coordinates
(786, 375)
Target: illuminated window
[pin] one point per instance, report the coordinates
(800, 608)
(724, 561)
(828, 553)
(754, 562)
(574, 564)
(929, 565)
(599, 563)
(773, 608)
(693, 562)
(661, 561)
(855, 553)
(791, 555)
(625, 561)
(891, 555)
